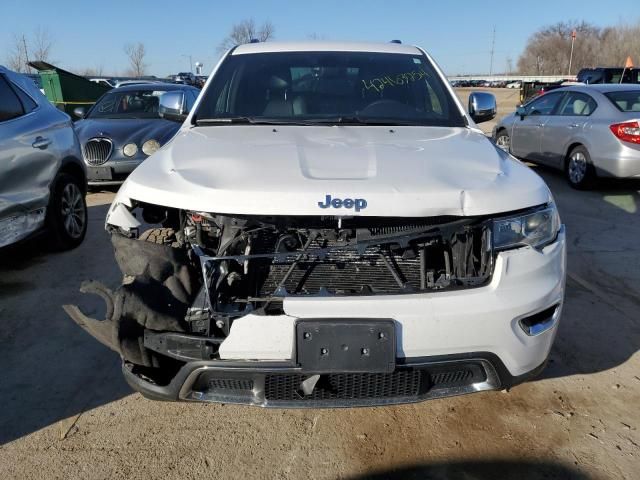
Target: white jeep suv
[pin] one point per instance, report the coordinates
(330, 228)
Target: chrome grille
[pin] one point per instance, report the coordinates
(97, 151)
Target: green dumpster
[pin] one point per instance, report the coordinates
(67, 90)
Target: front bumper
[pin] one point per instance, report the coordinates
(276, 384)
(447, 343)
(120, 170)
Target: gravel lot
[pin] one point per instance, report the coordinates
(66, 412)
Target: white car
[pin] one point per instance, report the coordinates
(514, 85)
(329, 227)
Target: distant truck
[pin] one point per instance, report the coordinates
(609, 75)
(530, 90)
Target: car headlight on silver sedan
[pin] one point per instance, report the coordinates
(535, 228)
(130, 149)
(150, 147)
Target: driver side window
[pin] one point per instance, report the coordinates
(543, 105)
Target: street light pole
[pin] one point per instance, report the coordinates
(493, 48)
(573, 40)
(190, 62)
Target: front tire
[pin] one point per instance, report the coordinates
(67, 213)
(503, 141)
(579, 170)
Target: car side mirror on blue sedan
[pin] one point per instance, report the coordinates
(521, 111)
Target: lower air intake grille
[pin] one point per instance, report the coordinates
(97, 151)
(346, 386)
(454, 376)
(230, 384)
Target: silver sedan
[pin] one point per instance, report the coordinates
(588, 131)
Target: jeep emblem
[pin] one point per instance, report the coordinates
(355, 203)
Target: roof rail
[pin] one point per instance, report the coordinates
(396, 41)
(254, 40)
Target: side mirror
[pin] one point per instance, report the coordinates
(521, 111)
(172, 106)
(482, 106)
(79, 112)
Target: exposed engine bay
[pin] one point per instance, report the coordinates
(187, 280)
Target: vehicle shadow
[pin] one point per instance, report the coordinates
(479, 470)
(51, 369)
(600, 326)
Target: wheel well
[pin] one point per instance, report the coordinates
(569, 150)
(71, 167)
(501, 129)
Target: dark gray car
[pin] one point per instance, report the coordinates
(125, 126)
(42, 176)
(588, 131)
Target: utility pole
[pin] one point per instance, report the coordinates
(493, 49)
(27, 67)
(573, 40)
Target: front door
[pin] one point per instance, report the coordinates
(526, 133)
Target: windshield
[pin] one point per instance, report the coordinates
(329, 87)
(628, 101)
(129, 104)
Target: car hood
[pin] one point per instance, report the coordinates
(290, 170)
(126, 130)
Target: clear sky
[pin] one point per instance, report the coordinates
(457, 33)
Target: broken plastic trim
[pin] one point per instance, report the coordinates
(158, 288)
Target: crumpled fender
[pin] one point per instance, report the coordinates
(159, 285)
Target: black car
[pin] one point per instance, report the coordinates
(124, 127)
(186, 78)
(609, 75)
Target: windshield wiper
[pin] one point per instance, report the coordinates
(224, 120)
(341, 120)
(355, 120)
(250, 121)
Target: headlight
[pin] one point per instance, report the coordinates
(130, 149)
(535, 229)
(150, 146)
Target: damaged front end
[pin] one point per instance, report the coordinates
(187, 281)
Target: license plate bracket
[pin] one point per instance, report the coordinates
(99, 173)
(349, 345)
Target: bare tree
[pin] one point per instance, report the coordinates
(18, 57)
(42, 44)
(245, 31)
(136, 53)
(548, 50)
(509, 65)
(618, 43)
(93, 71)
